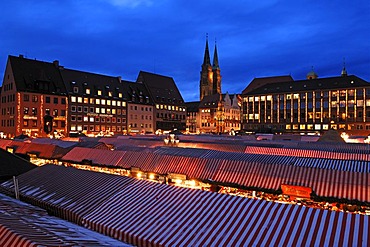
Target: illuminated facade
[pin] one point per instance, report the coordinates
(33, 99)
(308, 106)
(169, 106)
(219, 113)
(192, 117)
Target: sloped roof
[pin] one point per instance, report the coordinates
(211, 101)
(331, 136)
(36, 76)
(258, 82)
(339, 82)
(192, 106)
(163, 89)
(137, 93)
(12, 165)
(95, 82)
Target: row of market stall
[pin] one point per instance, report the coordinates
(144, 213)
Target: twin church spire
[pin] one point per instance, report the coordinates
(210, 77)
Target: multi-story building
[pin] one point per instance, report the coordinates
(42, 99)
(97, 103)
(308, 106)
(170, 109)
(33, 99)
(140, 110)
(192, 117)
(219, 113)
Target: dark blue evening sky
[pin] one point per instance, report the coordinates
(254, 38)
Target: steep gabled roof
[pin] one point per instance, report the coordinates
(36, 76)
(259, 82)
(95, 82)
(163, 89)
(211, 101)
(338, 82)
(137, 93)
(192, 106)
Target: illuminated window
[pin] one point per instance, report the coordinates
(124, 104)
(256, 98)
(288, 96)
(169, 107)
(250, 117)
(113, 111)
(79, 99)
(295, 96)
(110, 94)
(86, 100)
(360, 103)
(269, 97)
(114, 103)
(317, 127)
(256, 116)
(108, 102)
(97, 101)
(325, 126)
(91, 119)
(102, 101)
(86, 119)
(97, 110)
(263, 98)
(120, 95)
(87, 91)
(288, 127)
(73, 99)
(118, 103)
(250, 99)
(99, 92)
(295, 126)
(102, 110)
(79, 127)
(302, 126)
(73, 127)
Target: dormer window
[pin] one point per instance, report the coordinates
(110, 94)
(87, 91)
(120, 95)
(75, 89)
(99, 92)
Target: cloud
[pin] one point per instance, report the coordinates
(131, 3)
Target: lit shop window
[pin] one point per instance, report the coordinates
(87, 91)
(73, 99)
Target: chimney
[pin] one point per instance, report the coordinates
(21, 56)
(120, 79)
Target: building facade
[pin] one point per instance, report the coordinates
(45, 99)
(308, 106)
(192, 117)
(33, 99)
(170, 109)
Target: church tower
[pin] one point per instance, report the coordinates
(210, 77)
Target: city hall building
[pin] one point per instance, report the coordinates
(280, 104)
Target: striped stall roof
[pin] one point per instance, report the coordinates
(189, 152)
(144, 213)
(97, 156)
(48, 187)
(4, 143)
(22, 224)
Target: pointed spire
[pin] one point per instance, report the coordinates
(207, 60)
(215, 58)
(344, 71)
